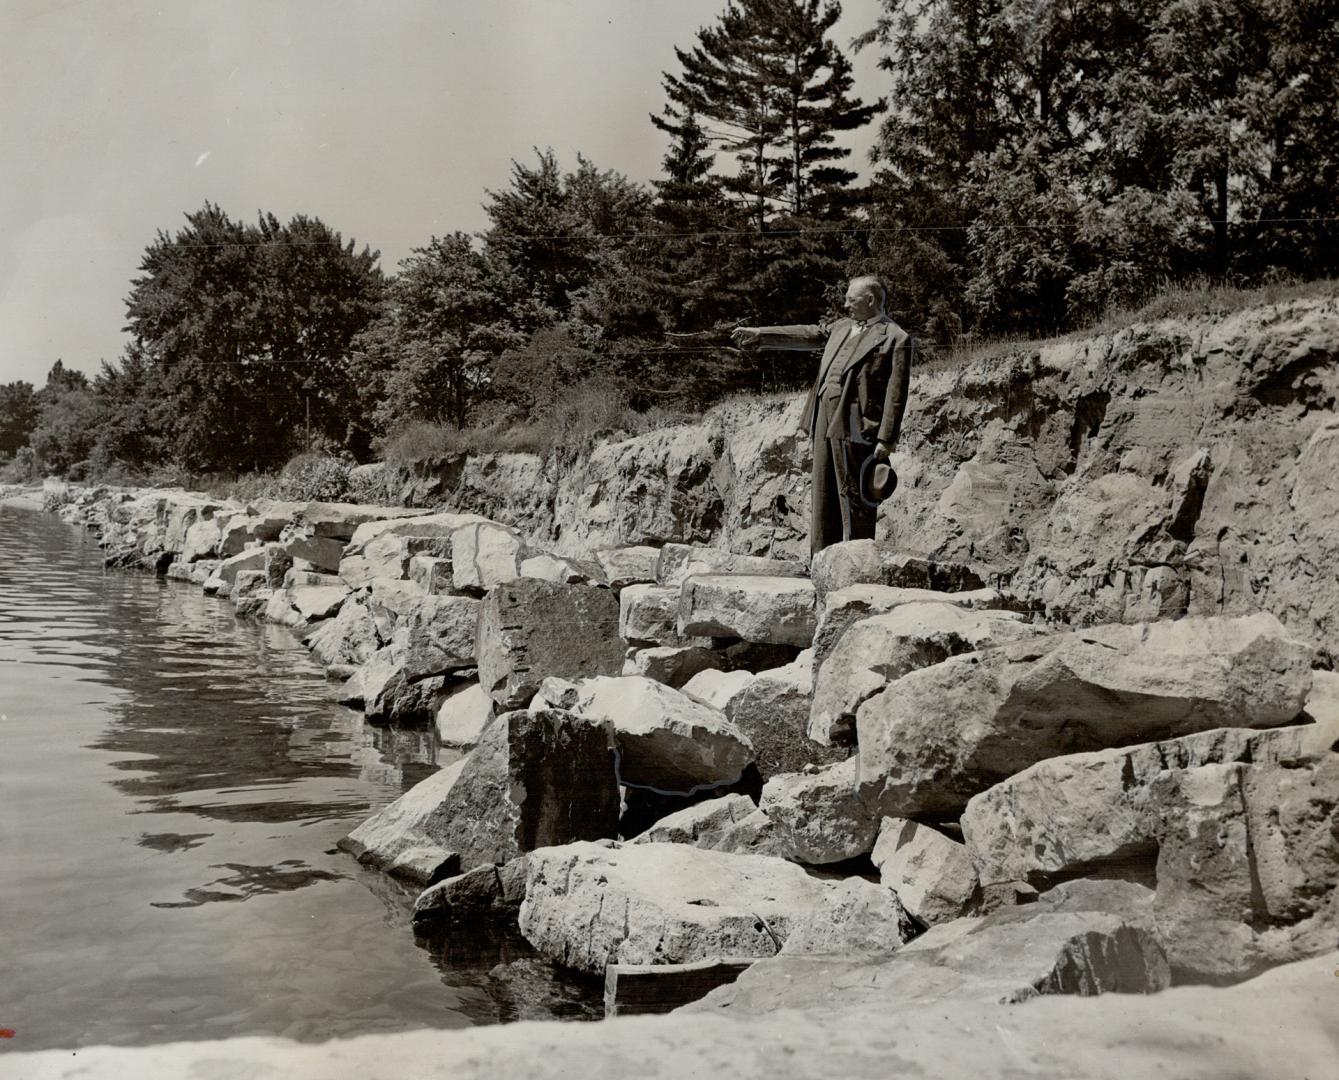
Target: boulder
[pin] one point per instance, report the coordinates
(485, 555)
(431, 573)
(250, 594)
(387, 693)
(320, 553)
(774, 610)
(463, 715)
(436, 635)
(1248, 866)
(821, 816)
(931, 873)
(649, 614)
(880, 649)
(717, 688)
(229, 568)
(531, 629)
(315, 602)
(879, 562)
(487, 892)
(672, 665)
(944, 733)
(409, 523)
(202, 538)
(1093, 812)
(1093, 940)
(665, 739)
(588, 905)
(554, 568)
(409, 824)
(772, 712)
(390, 600)
(842, 608)
(700, 825)
(348, 638)
(340, 521)
(535, 779)
(678, 562)
(624, 566)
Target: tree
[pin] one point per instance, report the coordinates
(249, 326)
(441, 328)
(772, 89)
(20, 410)
(69, 422)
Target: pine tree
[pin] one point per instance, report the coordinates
(770, 88)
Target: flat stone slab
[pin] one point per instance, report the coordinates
(678, 562)
(772, 610)
(588, 905)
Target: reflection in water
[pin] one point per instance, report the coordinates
(252, 881)
(123, 699)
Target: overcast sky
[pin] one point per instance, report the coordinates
(385, 118)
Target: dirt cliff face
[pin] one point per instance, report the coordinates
(1181, 466)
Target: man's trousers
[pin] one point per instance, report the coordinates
(836, 510)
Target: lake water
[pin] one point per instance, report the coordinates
(173, 782)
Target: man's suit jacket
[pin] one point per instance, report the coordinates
(875, 374)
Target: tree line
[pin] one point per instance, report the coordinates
(1036, 163)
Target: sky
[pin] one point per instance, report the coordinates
(387, 119)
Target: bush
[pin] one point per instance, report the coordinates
(314, 476)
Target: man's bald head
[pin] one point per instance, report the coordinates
(874, 284)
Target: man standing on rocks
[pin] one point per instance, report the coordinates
(854, 411)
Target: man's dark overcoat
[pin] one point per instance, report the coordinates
(857, 400)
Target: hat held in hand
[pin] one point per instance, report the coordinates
(878, 480)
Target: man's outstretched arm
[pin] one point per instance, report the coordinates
(801, 337)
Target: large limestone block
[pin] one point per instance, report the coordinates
(666, 740)
(487, 893)
(202, 539)
(822, 816)
(229, 568)
(320, 553)
(430, 573)
(843, 608)
(387, 692)
(535, 779)
(531, 629)
(315, 602)
(701, 824)
(772, 711)
(1084, 941)
(411, 823)
(678, 562)
(390, 600)
(437, 635)
(463, 715)
(932, 874)
(944, 733)
(717, 688)
(411, 523)
(348, 638)
(1093, 811)
(1248, 866)
(672, 665)
(485, 555)
(879, 562)
(589, 905)
(880, 649)
(339, 521)
(649, 614)
(772, 610)
(624, 566)
(555, 568)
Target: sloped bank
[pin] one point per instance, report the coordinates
(1182, 466)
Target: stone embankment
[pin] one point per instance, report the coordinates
(1068, 727)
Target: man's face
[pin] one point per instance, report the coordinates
(862, 302)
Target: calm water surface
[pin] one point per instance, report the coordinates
(172, 785)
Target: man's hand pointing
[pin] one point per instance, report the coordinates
(745, 336)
